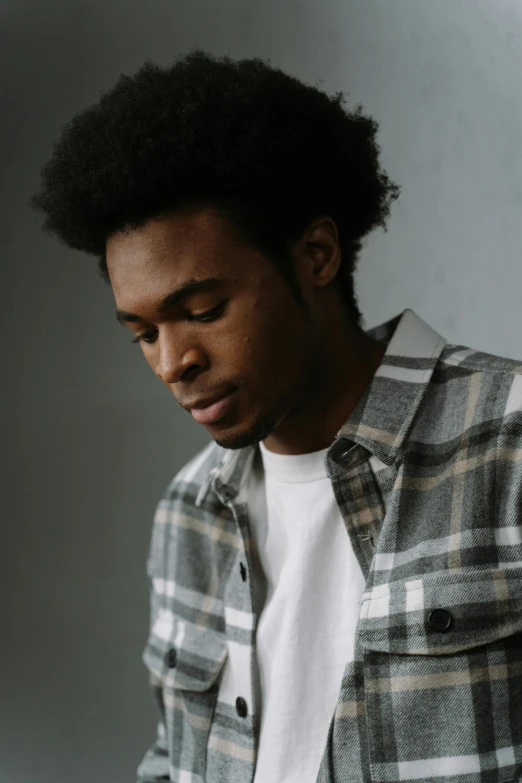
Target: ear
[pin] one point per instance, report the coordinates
(320, 251)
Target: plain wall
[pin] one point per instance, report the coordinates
(90, 437)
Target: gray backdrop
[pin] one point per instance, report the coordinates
(90, 437)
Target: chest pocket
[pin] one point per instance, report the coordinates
(443, 677)
(185, 663)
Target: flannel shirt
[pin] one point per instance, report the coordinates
(427, 474)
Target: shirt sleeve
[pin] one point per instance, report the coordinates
(508, 494)
(155, 764)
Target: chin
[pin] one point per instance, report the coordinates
(240, 438)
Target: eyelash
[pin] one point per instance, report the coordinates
(207, 317)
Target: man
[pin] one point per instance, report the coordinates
(336, 578)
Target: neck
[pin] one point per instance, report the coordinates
(344, 367)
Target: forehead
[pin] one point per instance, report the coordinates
(166, 252)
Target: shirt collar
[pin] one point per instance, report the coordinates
(384, 414)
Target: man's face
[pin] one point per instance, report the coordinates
(246, 333)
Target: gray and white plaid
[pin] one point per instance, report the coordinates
(427, 473)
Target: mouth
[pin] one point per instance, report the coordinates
(213, 412)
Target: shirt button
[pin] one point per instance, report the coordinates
(342, 452)
(171, 658)
(440, 620)
(241, 707)
(227, 494)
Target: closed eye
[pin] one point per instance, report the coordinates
(209, 315)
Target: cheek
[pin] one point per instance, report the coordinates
(150, 355)
(262, 344)
(274, 356)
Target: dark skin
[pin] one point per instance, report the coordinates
(298, 372)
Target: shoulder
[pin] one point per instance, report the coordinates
(177, 516)
(192, 476)
(478, 361)
(493, 384)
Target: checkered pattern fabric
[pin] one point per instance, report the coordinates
(427, 474)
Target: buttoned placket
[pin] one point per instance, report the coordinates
(245, 703)
(358, 497)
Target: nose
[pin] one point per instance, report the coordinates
(177, 363)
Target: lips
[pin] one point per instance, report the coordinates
(213, 412)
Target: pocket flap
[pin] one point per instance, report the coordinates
(442, 614)
(181, 655)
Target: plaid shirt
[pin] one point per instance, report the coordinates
(427, 474)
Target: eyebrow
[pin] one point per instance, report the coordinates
(189, 288)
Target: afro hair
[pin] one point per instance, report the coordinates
(269, 151)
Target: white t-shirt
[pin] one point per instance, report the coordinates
(308, 597)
